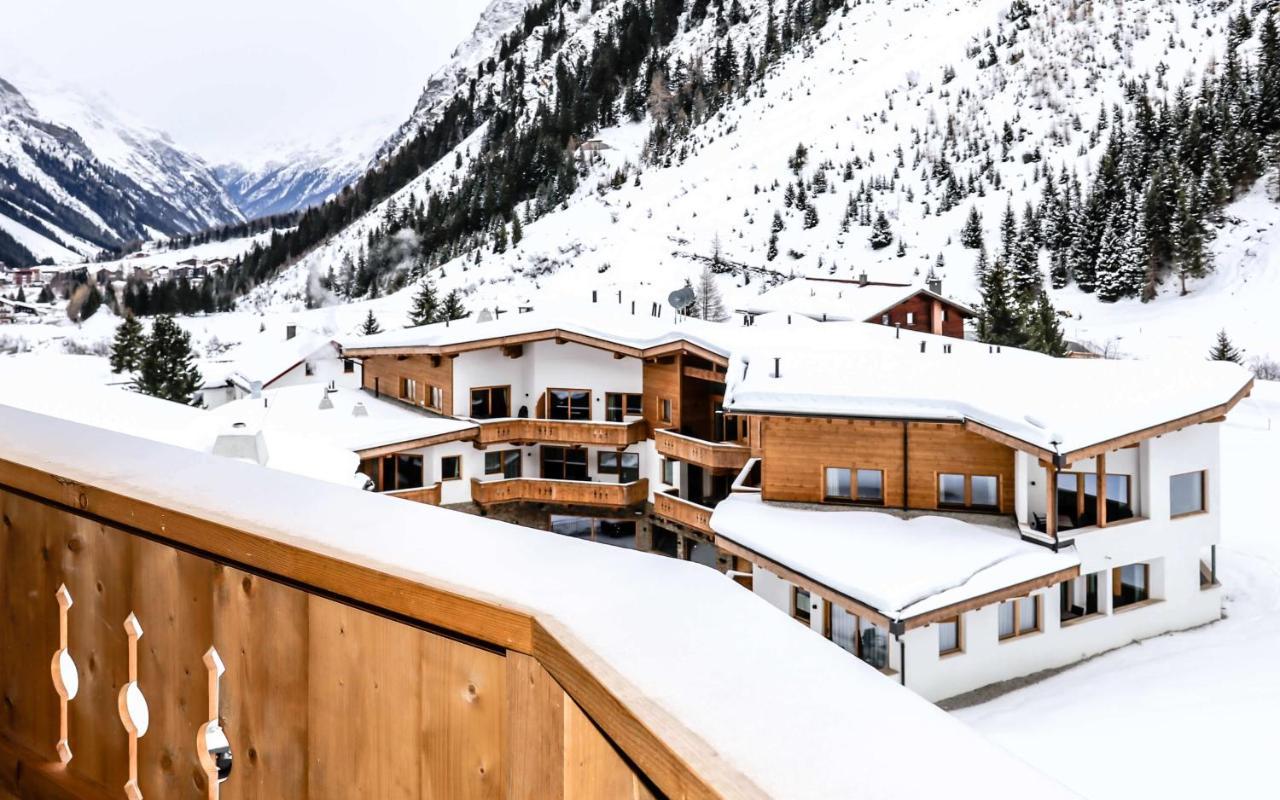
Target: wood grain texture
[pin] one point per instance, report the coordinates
(385, 372)
(534, 731)
(661, 380)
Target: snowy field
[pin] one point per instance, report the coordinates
(1188, 714)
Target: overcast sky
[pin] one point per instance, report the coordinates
(228, 78)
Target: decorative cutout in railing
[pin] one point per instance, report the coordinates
(132, 705)
(212, 746)
(66, 678)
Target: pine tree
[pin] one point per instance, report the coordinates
(92, 302)
(998, 320)
(167, 369)
(1044, 333)
(1224, 350)
(1109, 285)
(517, 231)
(709, 305)
(971, 233)
(811, 216)
(453, 307)
(370, 327)
(128, 346)
(426, 306)
(881, 234)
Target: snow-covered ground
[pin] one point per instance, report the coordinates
(1189, 714)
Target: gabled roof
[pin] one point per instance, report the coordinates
(264, 362)
(835, 300)
(1059, 409)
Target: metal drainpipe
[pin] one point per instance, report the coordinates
(902, 661)
(1213, 563)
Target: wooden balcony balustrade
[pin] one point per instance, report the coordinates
(570, 493)
(684, 512)
(712, 455)
(349, 646)
(427, 494)
(558, 431)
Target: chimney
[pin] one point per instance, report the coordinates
(290, 331)
(240, 444)
(934, 283)
(255, 389)
(358, 410)
(862, 279)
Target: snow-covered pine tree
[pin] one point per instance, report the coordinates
(453, 307)
(998, 319)
(881, 233)
(168, 366)
(811, 216)
(128, 345)
(426, 305)
(1110, 286)
(1044, 333)
(709, 305)
(1008, 235)
(370, 326)
(1024, 269)
(1224, 350)
(971, 233)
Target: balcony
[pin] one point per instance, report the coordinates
(558, 431)
(558, 492)
(683, 512)
(429, 495)
(712, 455)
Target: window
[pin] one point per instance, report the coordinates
(615, 532)
(435, 397)
(1186, 493)
(950, 490)
(800, 604)
(873, 644)
(983, 491)
(842, 628)
(399, 471)
(564, 463)
(1130, 584)
(911, 318)
(625, 465)
(309, 369)
(838, 483)
(569, 404)
(664, 410)
(870, 486)
(1078, 497)
(884, 319)
(1078, 597)
(450, 468)
(949, 636)
(408, 389)
(348, 366)
(1019, 617)
(617, 406)
(491, 402)
(668, 472)
(502, 462)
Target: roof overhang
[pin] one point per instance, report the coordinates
(550, 334)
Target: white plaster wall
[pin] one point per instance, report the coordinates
(772, 588)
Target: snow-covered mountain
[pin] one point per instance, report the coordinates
(891, 101)
(76, 177)
(295, 177)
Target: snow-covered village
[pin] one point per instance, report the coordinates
(640, 399)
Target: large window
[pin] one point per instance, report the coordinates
(1019, 617)
(564, 463)
(874, 644)
(502, 462)
(1078, 497)
(569, 404)
(625, 465)
(400, 471)
(957, 490)
(842, 628)
(615, 532)
(669, 471)
(1078, 597)
(949, 641)
(1130, 584)
(617, 406)
(450, 468)
(1186, 493)
(491, 402)
(842, 484)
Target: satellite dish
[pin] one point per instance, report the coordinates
(681, 298)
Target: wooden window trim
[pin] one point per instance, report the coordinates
(1204, 495)
(489, 402)
(852, 499)
(827, 605)
(457, 477)
(968, 493)
(622, 404)
(408, 389)
(959, 648)
(807, 620)
(666, 409)
(1018, 633)
(550, 389)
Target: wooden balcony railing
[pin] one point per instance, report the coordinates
(713, 455)
(427, 494)
(349, 646)
(571, 493)
(684, 512)
(558, 431)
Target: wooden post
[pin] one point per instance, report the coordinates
(66, 680)
(133, 708)
(1051, 503)
(215, 668)
(1102, 490)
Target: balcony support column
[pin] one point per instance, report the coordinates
(1101, 461)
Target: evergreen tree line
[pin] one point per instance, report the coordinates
(179, 296)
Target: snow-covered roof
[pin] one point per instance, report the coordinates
(830, 300)
(1055, 405)
(900, 567)
(689, 654)
(265, 361)
(331, 416)
(74, 388)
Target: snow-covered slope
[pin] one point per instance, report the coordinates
(75, 177)
(295, 176)
(878, 98)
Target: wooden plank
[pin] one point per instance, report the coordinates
(1021, 589)
(534, 731)
(796, 450)
(1005, 439)
(463, 708)
(592, 768)
(417, 444)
